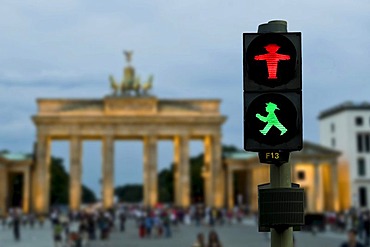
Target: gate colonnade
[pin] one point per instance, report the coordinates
(129, 118)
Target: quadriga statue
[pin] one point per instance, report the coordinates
(130, 82)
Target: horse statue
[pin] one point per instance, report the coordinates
(136, 86)
(114, 85)
(148, 85)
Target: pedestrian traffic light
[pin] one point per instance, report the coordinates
(272, 91)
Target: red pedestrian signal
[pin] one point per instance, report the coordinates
(272, 58)
(272, 61)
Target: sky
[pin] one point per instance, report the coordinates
(67, 49)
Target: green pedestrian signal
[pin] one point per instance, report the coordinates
(271, 119)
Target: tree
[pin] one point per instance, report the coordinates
(59, 185)
(88, 196)
(129, 193)
(134, 193)
(197, 181)
(165, 185)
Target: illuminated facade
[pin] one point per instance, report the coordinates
(15, 181)
(314, 168)
(142, 118)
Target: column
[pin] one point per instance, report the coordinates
(182, 171)
(318, 189)
(3, 189)
(249, 184)
(214, 181)
(41, 176)
(230, 188)
(26, 190)
(108, 172)
(75, 187)
(208, 196)
(150, 171)
(335, 185)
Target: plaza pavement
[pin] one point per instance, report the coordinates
(245, 235)
(231, 236)
(36, 237)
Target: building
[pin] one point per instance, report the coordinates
(144, 118)
(346, 127)
(15, 181)
(314, 168)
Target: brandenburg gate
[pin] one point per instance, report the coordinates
(129, 115)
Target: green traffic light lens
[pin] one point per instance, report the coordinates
(272, 118)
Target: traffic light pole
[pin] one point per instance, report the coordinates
(280, 175)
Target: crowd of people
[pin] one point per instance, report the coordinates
(77, 228)
(355, 221)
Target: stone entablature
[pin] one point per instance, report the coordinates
(128, 106)
(128, 117)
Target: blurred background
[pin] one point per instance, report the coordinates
(56, 60)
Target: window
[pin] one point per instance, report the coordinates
(332, 127)
(333, 142)
(363, 142)
(301, 175)
(361, 167)
(359, 143)
(367, 143)
(363, 197)
(359, 121)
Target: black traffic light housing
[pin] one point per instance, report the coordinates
(272, 65)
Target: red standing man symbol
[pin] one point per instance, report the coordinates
(272, 58)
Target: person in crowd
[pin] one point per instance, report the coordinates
(148, 225)
(229, 215)
(141, 227)
(200, 241)
(64, 221)
(122, 220)
(3, 222)
(352, 240)
(91, 228)
(167, 225)
(83, 232)
(341, 224)
(197, 216)
(10, 219)
(41, 221)
(158, 225)
(32, 220)
(57, 232)
(74, 236)
(213, 240)
(213, 217)
(25, 220)
(366, 225)
(16, 226)
(103, 223)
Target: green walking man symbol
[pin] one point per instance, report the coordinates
(271, 119)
